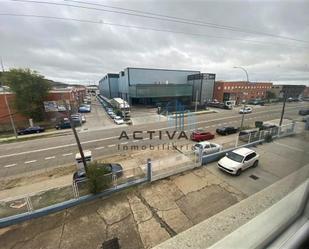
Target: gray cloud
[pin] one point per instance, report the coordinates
(82, 52)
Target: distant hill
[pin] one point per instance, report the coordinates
(54, 84)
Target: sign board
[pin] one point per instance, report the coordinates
(50, 106)
(56, 106)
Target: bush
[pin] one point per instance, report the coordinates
(98, 177)
(268, 138)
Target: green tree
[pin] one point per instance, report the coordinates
(31, 90)
(270, 95)
(99, 178)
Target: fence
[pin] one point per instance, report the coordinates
(22, 206)
(37, 204)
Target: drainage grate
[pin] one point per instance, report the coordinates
(254, 177)
(111, 244)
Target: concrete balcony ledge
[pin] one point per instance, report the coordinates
(249, 222)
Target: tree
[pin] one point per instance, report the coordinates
(31, 90)
(270, 95)
(99, 178)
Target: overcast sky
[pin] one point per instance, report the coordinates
(75, 52)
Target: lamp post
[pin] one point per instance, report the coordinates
(243, 101)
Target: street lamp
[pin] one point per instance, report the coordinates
(245, 72)
(243, 101)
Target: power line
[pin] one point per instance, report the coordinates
(161, 17)
(141, 27)
(192, 21)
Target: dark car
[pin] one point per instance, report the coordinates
(201, 136)
(303, 112)
(227, 130)
(31, 130)
(114, 168)
(63, 125)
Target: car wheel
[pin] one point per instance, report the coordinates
(238, 172)
(37, 131)
(256, 163)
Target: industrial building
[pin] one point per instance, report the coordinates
(292, 91)
(240, 90)
(150, 86)
(109, 85)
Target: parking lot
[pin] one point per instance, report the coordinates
(97, 118)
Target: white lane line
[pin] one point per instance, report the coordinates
(124, 143)
(111, 145)
(67, 154)
(146, 138)
(156, 136)
(290, 147)
(10, 165)
(135, 141)
(108, 138)
(32, 161)
(99, 148)
(50, 157)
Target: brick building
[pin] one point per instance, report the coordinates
(240, 90)
(74, 96)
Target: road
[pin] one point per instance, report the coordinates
(38, 154)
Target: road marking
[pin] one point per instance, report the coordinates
(67, 154)
(32, 161)
(200, 128)
(50, 157)
(135, 141)
(290, 147)
(111, 145)
(99, 148)
(156, 136)
(10, 165)
(146, 138)
(124, 143)
(164, 128)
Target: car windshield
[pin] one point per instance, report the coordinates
(198, 146)
(235, 157)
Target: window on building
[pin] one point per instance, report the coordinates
(219, 87)
(225, 88)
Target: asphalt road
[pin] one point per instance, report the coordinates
(38, 154)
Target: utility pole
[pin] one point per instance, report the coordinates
(243, 113)
(283, 107)
(81, 152)
(7, 104)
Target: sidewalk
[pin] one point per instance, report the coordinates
(35, 187)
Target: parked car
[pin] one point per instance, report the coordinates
(199, 136)
(83, 119)
(303, 112)
(114, 168)
(77, 118)
(245, 110)
(207, 147)
(305, 118)
(63, 125)
(118, 120)
(238, 160)
(30, 130)
(84, 108)
(227, 130)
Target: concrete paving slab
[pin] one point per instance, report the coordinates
(176, 219)
(87, 231)
(115, 209)
(206, 202)
(152, 233)
(140, 211)
(189, 183)
(126, 232)
(161, 195)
